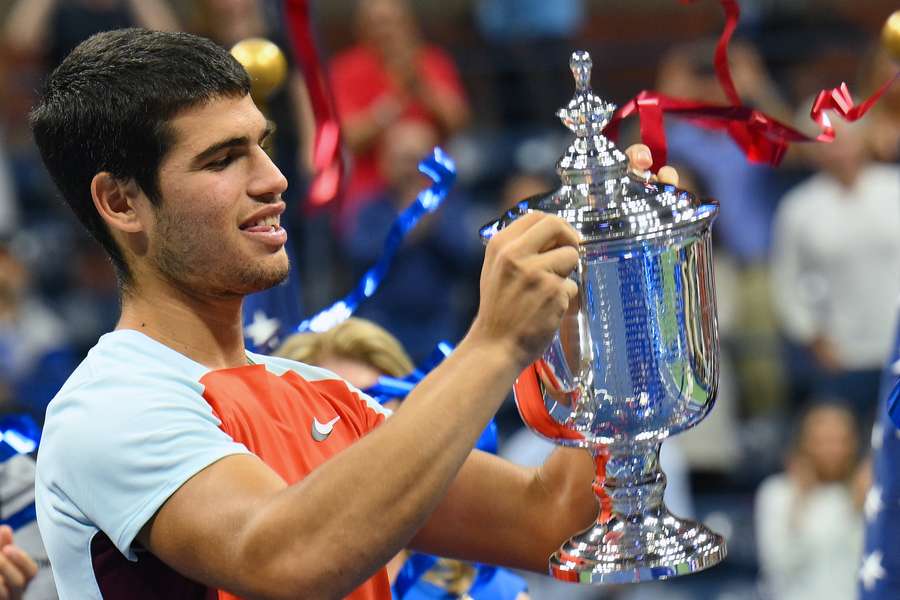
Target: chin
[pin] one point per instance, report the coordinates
(268, 276)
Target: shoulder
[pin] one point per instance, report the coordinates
(125, 365)
(774, 488)
(883, 174)
(127, 383)
(802, 198)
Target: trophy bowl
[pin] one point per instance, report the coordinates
(635, 359)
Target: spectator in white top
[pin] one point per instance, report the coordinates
(808, 519)
(836, 266)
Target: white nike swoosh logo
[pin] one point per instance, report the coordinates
(321, 431)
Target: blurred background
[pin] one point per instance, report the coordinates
(808, 254)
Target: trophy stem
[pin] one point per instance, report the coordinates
(635, 537)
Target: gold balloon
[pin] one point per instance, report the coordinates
(890, 34)
(265, 63)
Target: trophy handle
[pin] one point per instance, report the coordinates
(530, 400)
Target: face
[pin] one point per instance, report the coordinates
(385, 22)
(829, 440)
(404, 145)
(217, 227)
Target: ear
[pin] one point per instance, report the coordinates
(115, 201)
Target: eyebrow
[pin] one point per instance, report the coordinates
(232, 143)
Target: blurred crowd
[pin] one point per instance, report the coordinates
(808, 254)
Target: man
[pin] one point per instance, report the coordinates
(174, 462)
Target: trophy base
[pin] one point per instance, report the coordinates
(641, 547)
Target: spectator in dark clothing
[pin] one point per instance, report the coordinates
(424, 298)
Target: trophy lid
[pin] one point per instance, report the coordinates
(599, 196)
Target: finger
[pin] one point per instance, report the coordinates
(639, 157)
(4, 590)
(14, 579)
(547, 233)
(521, 224)
(6, 535)
(570, 288)
(22, 560)
(560, 261)
(668, 175)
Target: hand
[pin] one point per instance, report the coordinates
(825, 354)
(17, 569)
(640, 160)
(525, 285)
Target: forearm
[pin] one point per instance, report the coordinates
(394, 477)
(500, 513)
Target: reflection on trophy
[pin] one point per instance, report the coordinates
(636, 357)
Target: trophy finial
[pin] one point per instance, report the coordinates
(591, 157)
(586, 114)
(581, 64)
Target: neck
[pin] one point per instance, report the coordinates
(207, 329)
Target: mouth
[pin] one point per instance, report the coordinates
(262, 225)
(266, 227)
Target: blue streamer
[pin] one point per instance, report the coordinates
(21, 518)
(19, 434)
(439, 167)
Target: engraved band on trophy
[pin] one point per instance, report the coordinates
(636, 357)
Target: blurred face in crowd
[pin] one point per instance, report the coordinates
(844, 157)
(829, 441)
(385, 23)
(406, 143)
(217, 227)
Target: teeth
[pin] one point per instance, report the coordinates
(272, 222)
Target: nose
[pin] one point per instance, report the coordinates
(267, 182)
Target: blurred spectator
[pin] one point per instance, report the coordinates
(54, 27)
(360, 351)
(883, 129)
(227, 22)
(9, 209)
(90, 306)
(808, 519)
(529, 41)
(390, 75)
(747, 192)
(836, 267)
(428, 293)
(34, 355)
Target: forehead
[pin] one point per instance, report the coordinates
(198, 127)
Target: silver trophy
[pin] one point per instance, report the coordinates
(636, 357)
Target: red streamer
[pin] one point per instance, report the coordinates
(762, 138)
(327, 165)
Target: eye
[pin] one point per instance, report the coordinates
(218, 165)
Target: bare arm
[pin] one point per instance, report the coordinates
(26, 26)
(322, 527)
(499, 513)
